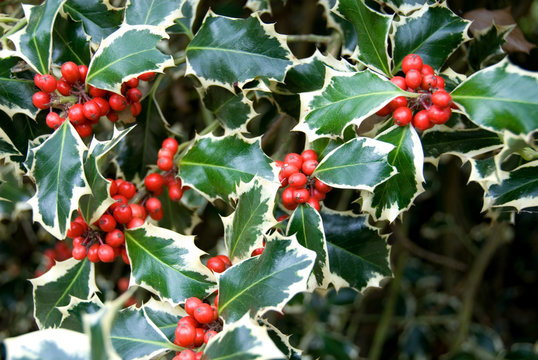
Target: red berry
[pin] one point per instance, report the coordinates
(321, 186)
(165, 163)
(123, 284)
(384, 111)
(154, 182)
(79, 252)
(124, 256)
(189, 319)
(309, 155)
(138, 211)
(117, 102)
(441, 98)
(120, 199)
(257, 252)
(225, 259)
(157, 215)
(93, 253)
(107, 223)
(199, 354)
(400, 82)
(148, 76)
(203, 313)
(215, 312)
(439, 115)
(123, 213)
(106, 253)
(76, 114)
(294, 159)
(282, 218)
(283, 180)
(41, 100)
(82, 71)
(136, 109)
(402, 116)
(440, 83)
(186, 354)
(115, 238)
(104, 108)
(208, 335)
(199, 339)
(288, 169)
(287, 197)
(153, 205)
(309, 166)
(411, 61)
(301, 195)
(428, 82)
(84, 130)
(216, 265)
(314, 203)
(46, 82)
(398, 102)
(63, 87)
(175, 193)
(171, 144)
(113, 187)
(191, 304)
(78, 241)
(91, 111)
(112, 116)
(413, 79)
(70, 72)
(318, 194)
(279, 163)
(165, 152)
(421, 121)
(76, 229)
(127, 189)
(133, 95)
(297, 180)
(426, 70)
(132, 83)
(96, 92)
(80, 220)
(134, 223)
(54, 120)
(185, 335)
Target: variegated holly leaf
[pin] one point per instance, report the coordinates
(140, 148)
(163, 316)
(73, 312)
(268, 281)
(281, 340)
(323, 146)
(49, 344)
(406, 6)
(14, 194)
(167, 264)
(150, 12)
(519, 188)
(21, 130)
(484, 172)
(98, 18)
(509, 105)
(93, 205)
(259, 6)
(56, 166)
(233, 110)
(358, 254)
(177, 216)
(253, 216)
(243, 340)
(15, 94)
(372, 30)
(183, 25)
(486, 46)
(134, 337)
(306, 224)
(463, 143)
(54, 289)
(34, 41)
(228, 51)
(215, 165)
(346, 98)
(129, 51)
(361, 164)
(7, 148)
(397, 194)
(71, 43)
(341, 25)
(434, 32)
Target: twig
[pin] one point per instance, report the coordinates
(309, 38)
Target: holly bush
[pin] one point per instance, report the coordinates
(308, 162)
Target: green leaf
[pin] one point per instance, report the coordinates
(128, 52)
(177, 216)
(233, 110)
(98, 20)
(519, 188)
(183, 25)
(134, 337)
(463, 143)
(14, 194)
(434, 32)
(243, 340)
(358, 255)
(347, 98)
(227, 51)
(7, 148)
(73, 312)
(253, 216)
(397, 194)
(163, 316)
(54, 289)
(484, 172)
(372, 30)
(360, 164)
(167, 264)
(306, 224)
(341, 25)
(93, 205)
(281, 340)
(259, 6)
(70, 42)
(407, 6)
(50, 344)
(268, 281)
(152, 12)
(34, 41)
(15, 94)
(21, 130)
(307, 75)
(57, 170)
(215, 165)
(509, 105)
(486, 45)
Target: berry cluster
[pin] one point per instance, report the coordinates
(165, 156)
(296, 171)
(195, 329)
(68, 94)
(219, 263)
(430, 108)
